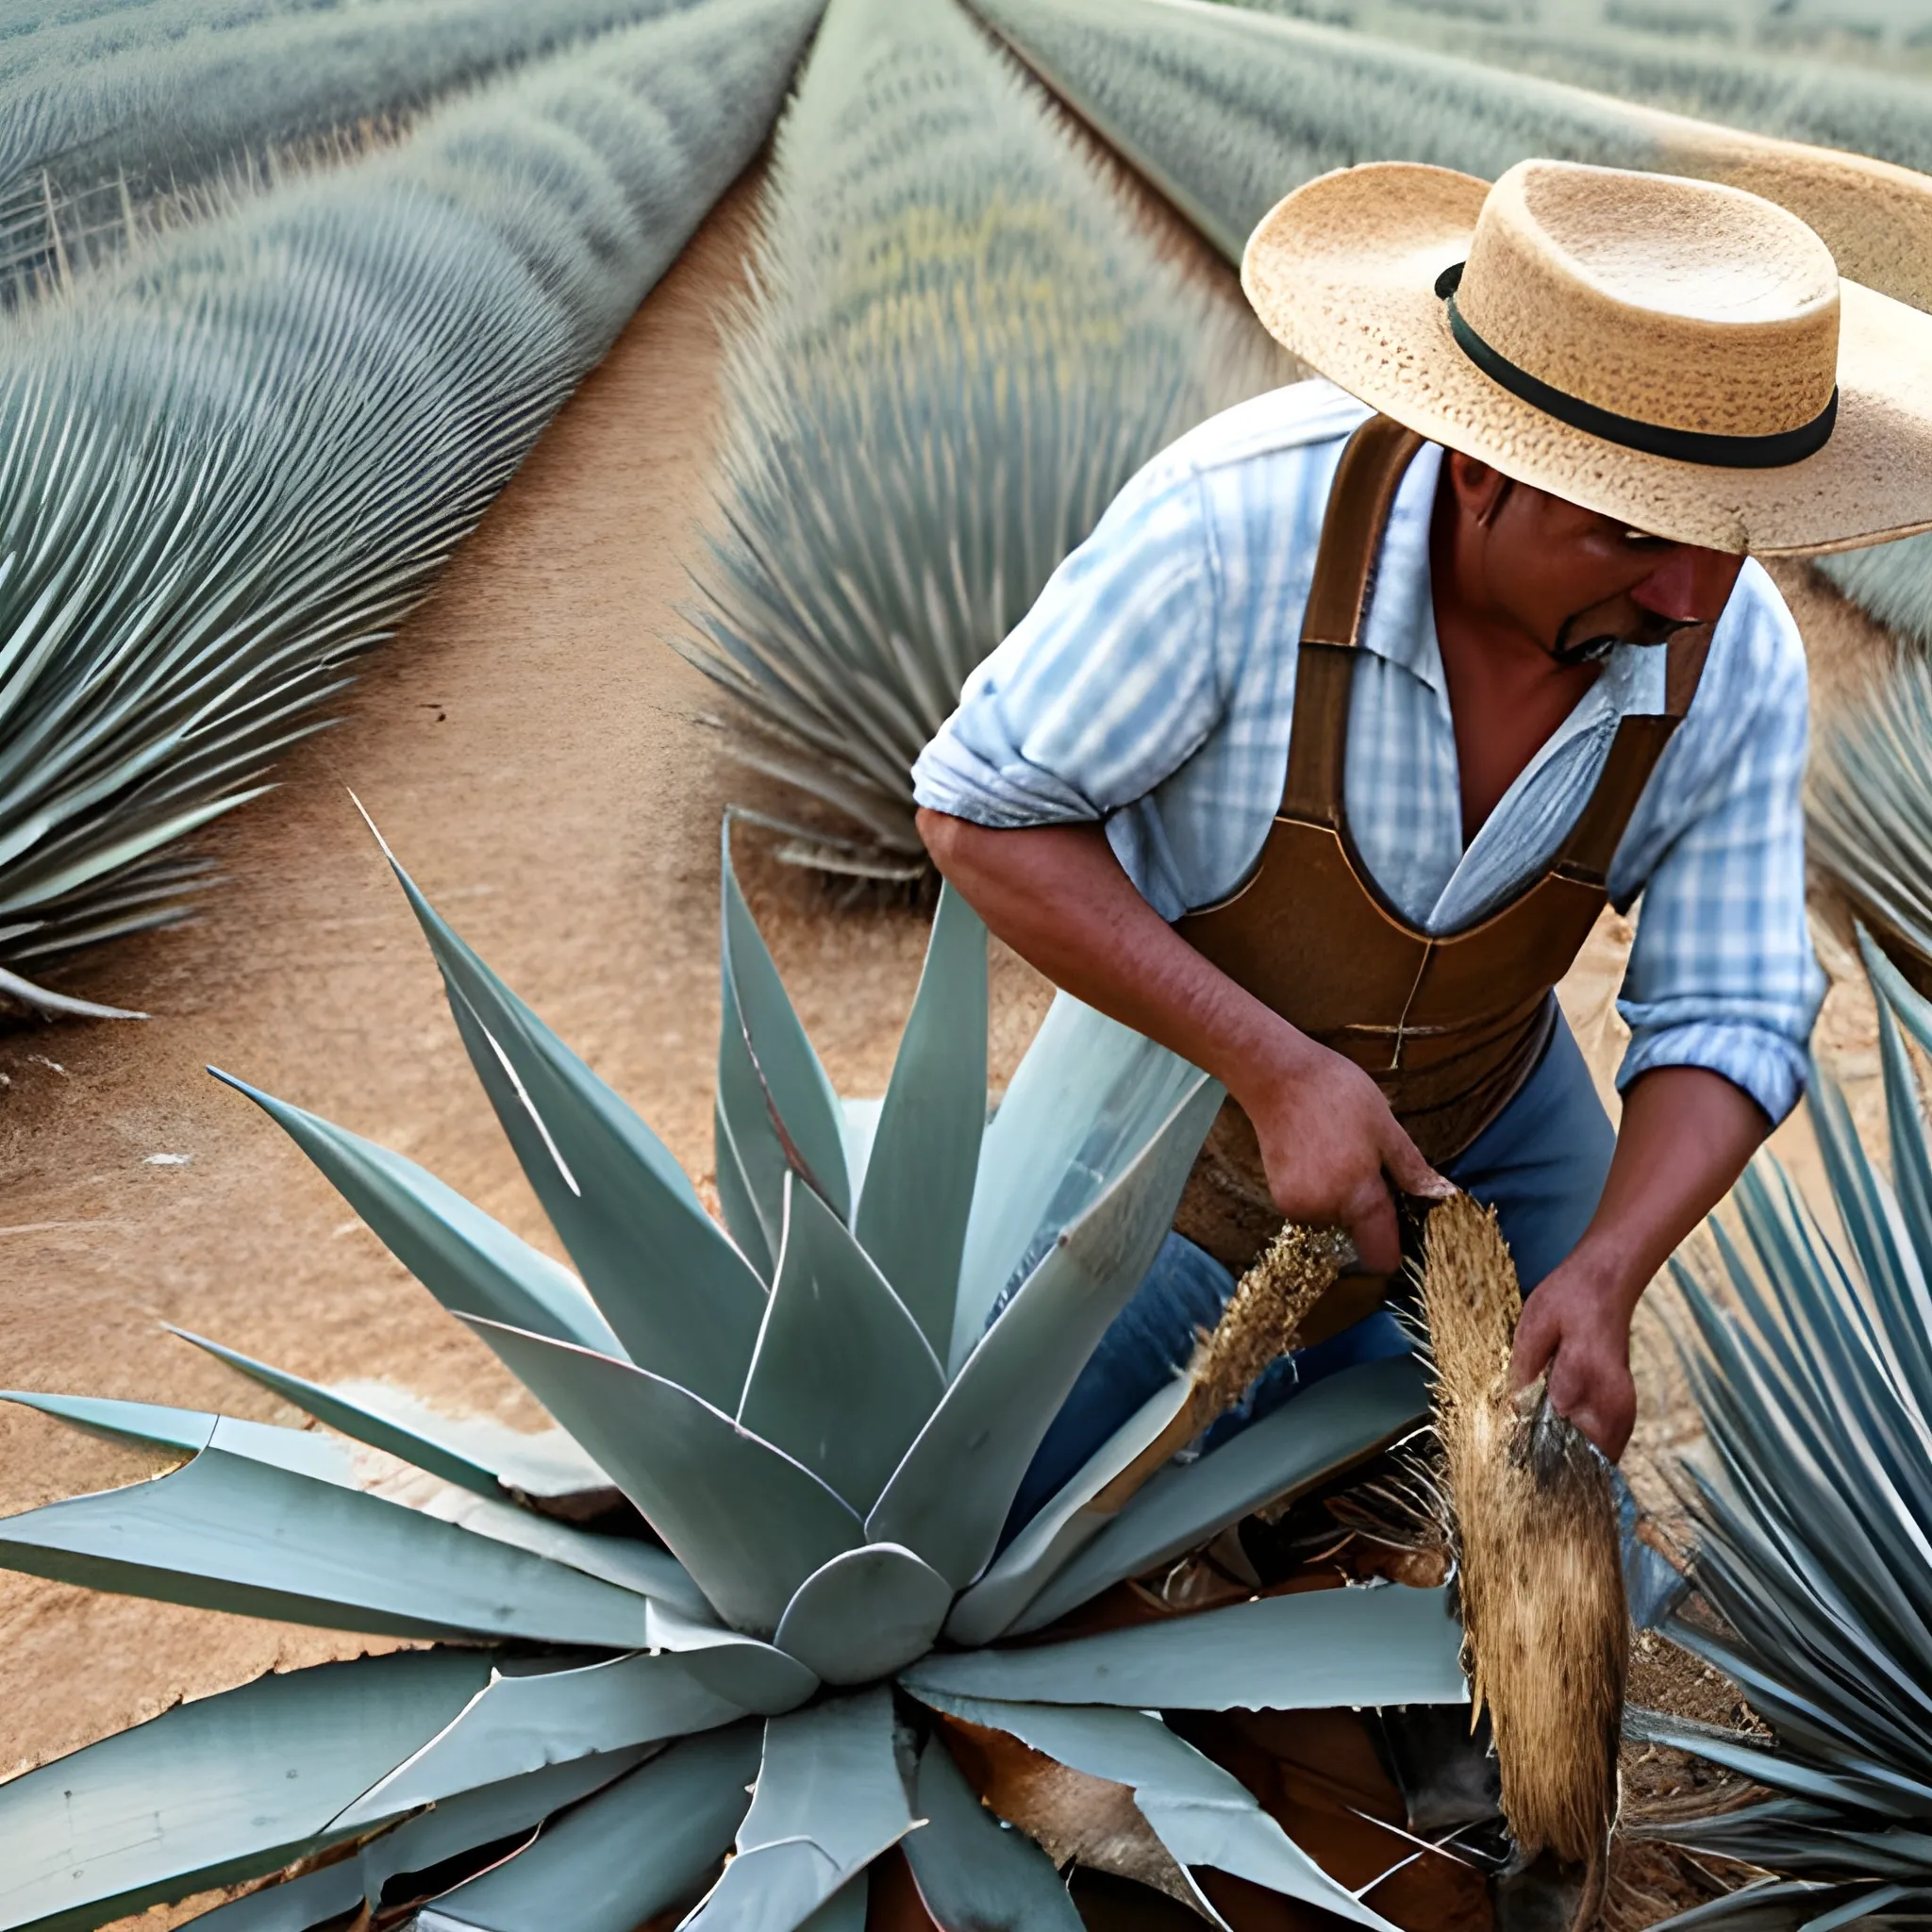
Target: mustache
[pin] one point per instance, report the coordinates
(1579, 642)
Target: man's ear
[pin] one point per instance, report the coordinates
(1479, 490)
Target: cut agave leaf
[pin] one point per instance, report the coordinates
(1065, 1524)
(1316, 1650)
(224, 1533)
(1202, 1814)
(1322, 1432)
(843, 1379)
(829, 1799)
(411, 1445)
(1084, 1100)
(537, 1712)
(950, 1496)
(794, 1108)
(300, 1450)
(748, 1522)
(682, 1300)
(865, 1614)
(469, 1262)
(226, 1788)
(918, 1191)
(640, 1848)
(975, 1873)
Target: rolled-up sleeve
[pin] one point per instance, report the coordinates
(1723, 975)
(1105, 686)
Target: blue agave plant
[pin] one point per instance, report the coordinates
(822, 1433)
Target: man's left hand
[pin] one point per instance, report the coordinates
(1577, 1327)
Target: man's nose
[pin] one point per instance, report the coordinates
(1688, 585)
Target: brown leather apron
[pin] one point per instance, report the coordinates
(1449, 1026)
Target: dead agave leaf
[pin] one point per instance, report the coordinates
(1546, 1641)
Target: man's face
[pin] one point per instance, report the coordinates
(1577, 582)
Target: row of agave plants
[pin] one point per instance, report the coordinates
(949, 278)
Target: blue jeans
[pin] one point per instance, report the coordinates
(1541, 1164)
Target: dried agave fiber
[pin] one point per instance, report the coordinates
(960, 346)
(1546, 1634)
(99, 116)
(232, 463)
(1871, 808)
(1812, 1494)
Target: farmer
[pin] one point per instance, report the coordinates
(1318, 760)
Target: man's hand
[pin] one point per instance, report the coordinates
(1577, 1327)
(1328, 1140)
(1685, 1135)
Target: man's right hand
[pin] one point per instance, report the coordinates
(1331, 1147)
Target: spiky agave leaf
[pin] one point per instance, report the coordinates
(94, 126)
(1871, 803)
(233, 462)
(825, 1502)
(959, 347)
(1813, 1509)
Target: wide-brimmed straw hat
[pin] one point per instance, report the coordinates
(1677, 353)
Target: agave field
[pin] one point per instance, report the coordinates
(755, 1633)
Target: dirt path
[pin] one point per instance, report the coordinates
(529, 749)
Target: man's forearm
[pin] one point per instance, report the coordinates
(1058, 897)
(1687, 1135)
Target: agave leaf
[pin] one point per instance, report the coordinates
(352, 1419)
(734, 1188)
(1065, 1524)
(865, 1614)
(788, 1104)
(301, 1451)
(682, 1300)
(860, 1120)
(227, 1533)
(1201, 1813)
(633, 1851)
(229, 1787)
(843, 1379)
(829, 1799)
(747, 1521)
(1322, 1432)
(1082, 1103)
(973, 1873)
(1315, 1650)
(845, 1910)
(468, 1261)
(918, 1190)
(539, 1712)
(756, 1675)
(296, 1905)
(949, 1498)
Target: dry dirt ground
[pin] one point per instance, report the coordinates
(533, 753)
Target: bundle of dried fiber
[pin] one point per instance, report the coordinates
(1546, 1631)
(1258, 1327)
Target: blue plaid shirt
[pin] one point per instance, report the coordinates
(1151, 688)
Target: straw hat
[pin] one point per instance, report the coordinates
(1677, 353)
